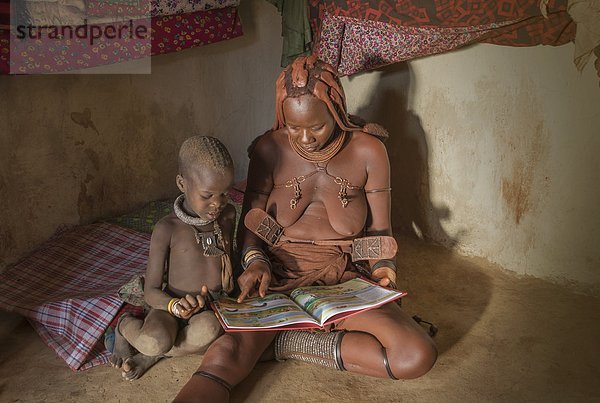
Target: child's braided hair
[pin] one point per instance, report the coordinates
(205, 152)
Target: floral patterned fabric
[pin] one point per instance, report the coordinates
(133, 292)
(154, 8)
(547, 24)
(171, 33)
(352, 45)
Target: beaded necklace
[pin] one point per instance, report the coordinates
(323, 155)
(209, 240)
(318, 158)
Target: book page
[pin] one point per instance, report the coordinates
(274, 310)
(324, 302)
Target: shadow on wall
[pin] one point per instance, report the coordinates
(414, 213)
(421, 269)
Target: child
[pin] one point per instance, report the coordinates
(192, 245)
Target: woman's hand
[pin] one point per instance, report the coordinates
(190, 305)
(256, 277)
(385, 276)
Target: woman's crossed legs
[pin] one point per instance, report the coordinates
(373, 338)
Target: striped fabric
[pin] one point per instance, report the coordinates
(68, 287)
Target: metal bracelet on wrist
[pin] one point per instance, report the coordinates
(251, 254)
(383, 263)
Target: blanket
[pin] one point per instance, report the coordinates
(68, 287)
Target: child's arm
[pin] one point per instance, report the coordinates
(160, 244)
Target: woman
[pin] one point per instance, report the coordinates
(316, 182)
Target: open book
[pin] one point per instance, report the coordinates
(305, 308)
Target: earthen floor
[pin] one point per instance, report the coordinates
(502, 338)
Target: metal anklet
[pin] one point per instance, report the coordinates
(312, 347)
(215, 378)
(386, 363)
(338, 350)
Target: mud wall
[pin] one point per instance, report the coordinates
(495, 154)
(75, 148)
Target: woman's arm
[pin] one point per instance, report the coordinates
(259, 185)
(263, 158)
(379, 201)
(377, 189)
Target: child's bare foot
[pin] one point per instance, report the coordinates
(136, 366)
(122, 349)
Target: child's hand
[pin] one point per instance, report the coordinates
(257, 277)
(385, 276)
(190, 305)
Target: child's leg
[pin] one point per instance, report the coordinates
(202, 329)
(154, 335)
(151, 337)
(386, 343)
(122, 350)
(227, 362)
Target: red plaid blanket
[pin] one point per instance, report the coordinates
(68, 287)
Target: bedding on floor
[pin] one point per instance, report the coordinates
(68, 288)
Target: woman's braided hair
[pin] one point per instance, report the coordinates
(307, 75)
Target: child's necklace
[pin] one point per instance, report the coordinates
(208, 240)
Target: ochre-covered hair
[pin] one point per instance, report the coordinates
(206, 152)
(307, 75)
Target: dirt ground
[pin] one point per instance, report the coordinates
(502, 338)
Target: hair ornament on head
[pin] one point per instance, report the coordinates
(308, 75)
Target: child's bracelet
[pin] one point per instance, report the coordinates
(172, 302)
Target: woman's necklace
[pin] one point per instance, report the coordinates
(208, 240)
(323, 155)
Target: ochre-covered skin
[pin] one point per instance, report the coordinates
(301, 178)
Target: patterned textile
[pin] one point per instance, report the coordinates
(133, 292)
(169, 34)
(144, 219)
(352, 45)
(236, 194)
(72, 288)
(517, 22)
(156, 8)
(40, 13)
(68, 287)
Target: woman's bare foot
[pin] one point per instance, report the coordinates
(122, 349)
(136, 366)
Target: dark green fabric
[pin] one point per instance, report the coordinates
(295, 29)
